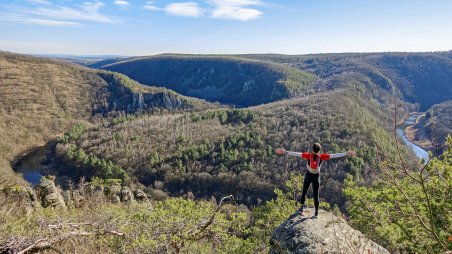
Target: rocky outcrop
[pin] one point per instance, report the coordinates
(126, 195)
(73, 198)
(113, 193)
(49, 194)
(325, 234)
(140, 196)
(167, 100)
(124, 98)
(31, 198)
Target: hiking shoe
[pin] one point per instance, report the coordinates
(316, 215)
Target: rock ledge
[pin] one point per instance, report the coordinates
(325, 234)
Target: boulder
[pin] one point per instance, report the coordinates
(49, 194)
(126, 195)
(32, 199)
(67, 196)
(140, 196)
(325, 234)
(113, 193)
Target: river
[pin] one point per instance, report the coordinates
(418, 151)
(30, 165)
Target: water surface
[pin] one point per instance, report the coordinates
(418, 151)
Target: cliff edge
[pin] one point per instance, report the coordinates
(325, 234)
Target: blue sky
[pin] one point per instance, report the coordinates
(143, 27)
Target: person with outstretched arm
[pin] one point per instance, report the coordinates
(314, 162)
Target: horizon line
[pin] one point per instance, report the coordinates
(62, 55)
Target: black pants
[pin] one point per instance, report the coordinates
(308, 179)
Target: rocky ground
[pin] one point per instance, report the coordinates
(47, 194)
(325, 234)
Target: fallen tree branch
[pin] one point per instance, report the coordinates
(27, 246)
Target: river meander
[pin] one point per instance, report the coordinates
(418, 151)
(31, 164)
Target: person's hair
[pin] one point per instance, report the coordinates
(316, 147)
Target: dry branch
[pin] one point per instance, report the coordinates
(26, 246)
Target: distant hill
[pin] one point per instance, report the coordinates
(41, 98)
(100, 63)
(422, 78)
(218, 78)
(85, 60)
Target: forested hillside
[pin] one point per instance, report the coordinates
(218, 78)
(422, 78)
(221, 152)
(42, 98)
(433, 127)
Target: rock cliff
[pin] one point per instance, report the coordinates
(47, 194)
(130, 96)
(325, 234)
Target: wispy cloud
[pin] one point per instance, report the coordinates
(121, 3)
(150, 6)
(187, 9)
(56, 15)
(236, 9)
(48, 22)
(243, 10)
(18, 18)
(88, 11)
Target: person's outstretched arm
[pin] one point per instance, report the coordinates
(282, 151)
(326, 156)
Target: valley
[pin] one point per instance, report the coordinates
(197, 128)
(225, 127)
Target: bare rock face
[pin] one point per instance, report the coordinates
(49, 194)
(32, 199)
(73, 198)
(140, 196)
(324, 234)
(113, 193)
(126, 195)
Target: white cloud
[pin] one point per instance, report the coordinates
(231, 12)
(236, 9)
(221, 9)
(150, 6)
(188, 9)
(237, 2)
(121, 3)
(36, 21)
(88, 11)
(48, 22)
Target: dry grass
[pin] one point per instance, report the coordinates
(38, 100)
